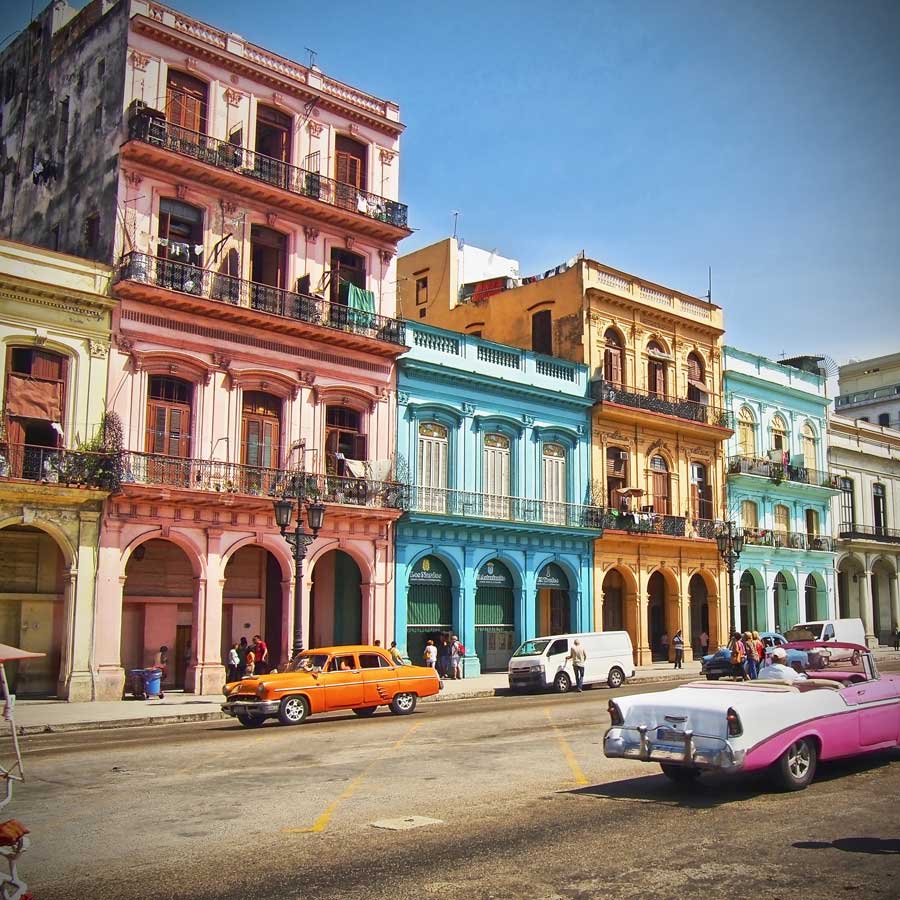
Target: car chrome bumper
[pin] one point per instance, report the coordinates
(636, 743)
(257, 708)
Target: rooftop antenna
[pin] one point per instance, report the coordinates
(313, 56)
(455, 214)
(709, 287)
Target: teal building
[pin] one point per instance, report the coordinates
(779, 490)
(497, 543)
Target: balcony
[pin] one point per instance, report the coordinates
(788, 540)
(220, 164)
(649, 523)
(687, 410)
(67, 468)
(513, 510)
(869, 533)
(776, 472)
(213, 476)
(136, 271)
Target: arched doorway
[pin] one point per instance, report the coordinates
(699, 604)
(814, 604)
(752, 602)
(614, 601)
(554, 605)
(850, 573)
(429, 606)
(32, 590)
(656, 616)
(495, 616)
(158, 609)
(336, 601)
(787, 613)
(883, 624)
(252, 601)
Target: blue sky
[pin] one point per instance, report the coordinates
(759, 138)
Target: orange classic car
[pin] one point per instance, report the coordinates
(360, 678)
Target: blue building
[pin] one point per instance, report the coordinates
(779, 489)
(497, 545)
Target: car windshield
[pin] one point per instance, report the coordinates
(532, 648)
(307, 662)
(810, 632)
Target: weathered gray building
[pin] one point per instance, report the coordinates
(63, 83)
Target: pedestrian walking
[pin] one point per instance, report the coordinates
(396, 655)
(704, 643)
(454, 671)
(260, 655)
(738, 655)
(760, 650)
(897, 639)
(751, 657)
(443, 657)
(430, 654)
(242, 650)
(578, 656)
(678, 644)
(234, 662)
(250, 662)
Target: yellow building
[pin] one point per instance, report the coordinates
(659, 424)
(55, 319)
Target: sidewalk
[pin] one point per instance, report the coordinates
(53, 716)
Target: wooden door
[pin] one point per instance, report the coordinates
(182, 655)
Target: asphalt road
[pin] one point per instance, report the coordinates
(526, 806)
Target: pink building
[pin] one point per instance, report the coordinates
(250, 205)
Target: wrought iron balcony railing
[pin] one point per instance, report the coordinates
(789, 540)
(151, 129)
(469, 504)
(690, 410)
(186, 278)
(869, 533)
(216, 476)
(51, 465)
(777, 472)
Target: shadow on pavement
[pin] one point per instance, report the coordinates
(876, 846)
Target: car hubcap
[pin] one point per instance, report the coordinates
(404, 701)
(798, 760)
(293, 709)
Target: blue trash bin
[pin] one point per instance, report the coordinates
(136, 683)
(153, 682)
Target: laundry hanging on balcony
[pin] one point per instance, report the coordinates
(362, 307)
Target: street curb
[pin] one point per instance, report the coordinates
(218, 716)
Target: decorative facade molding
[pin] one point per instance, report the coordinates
(233, 98)
(349, 241)
(98, 349)
(181, 191)
(468, 409)
(271, 219)
(162, 362)
(132, 179)
(310, 233)
(265, 380)
(314, 128)
(190, 63)
(386, 256)
(387, 156)
(402, 398)
(139, 61)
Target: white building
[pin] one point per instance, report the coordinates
(865, 459)
(869, 389)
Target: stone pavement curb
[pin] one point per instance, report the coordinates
(217, 715)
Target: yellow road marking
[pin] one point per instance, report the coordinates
(567, 752)
(322, 822)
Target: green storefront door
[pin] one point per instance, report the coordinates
(429, 606)
(495, 629)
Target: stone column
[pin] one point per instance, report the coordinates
(895, 601)
(106, 662)
(644, 653)
(865, 608)
(206, 675)
(464, 602)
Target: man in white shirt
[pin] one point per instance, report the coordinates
(778, 669)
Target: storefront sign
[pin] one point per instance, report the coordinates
(493, 574)
(429, 571)
(552, 577)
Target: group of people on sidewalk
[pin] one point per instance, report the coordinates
(247, 659)
(446, 656)
(747, 653)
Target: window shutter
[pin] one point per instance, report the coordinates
(695, 501)
(359, 447)
(661, 493)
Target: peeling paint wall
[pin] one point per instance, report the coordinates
(61, 90)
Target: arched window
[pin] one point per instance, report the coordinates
(782, 519)
(656, 369)
(749, 515)
(431, 467)
(186, 102)
(613, 358)
(496, 475)
(808, 446)
(697, 391)
(746, 433)
(659, 470)
(779, 434)
(169, 416)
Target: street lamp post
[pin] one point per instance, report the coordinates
(299, 541)
(730, 541)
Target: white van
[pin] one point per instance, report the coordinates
(842, 631)
(541, 662)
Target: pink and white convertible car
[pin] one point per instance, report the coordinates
(714, 726)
